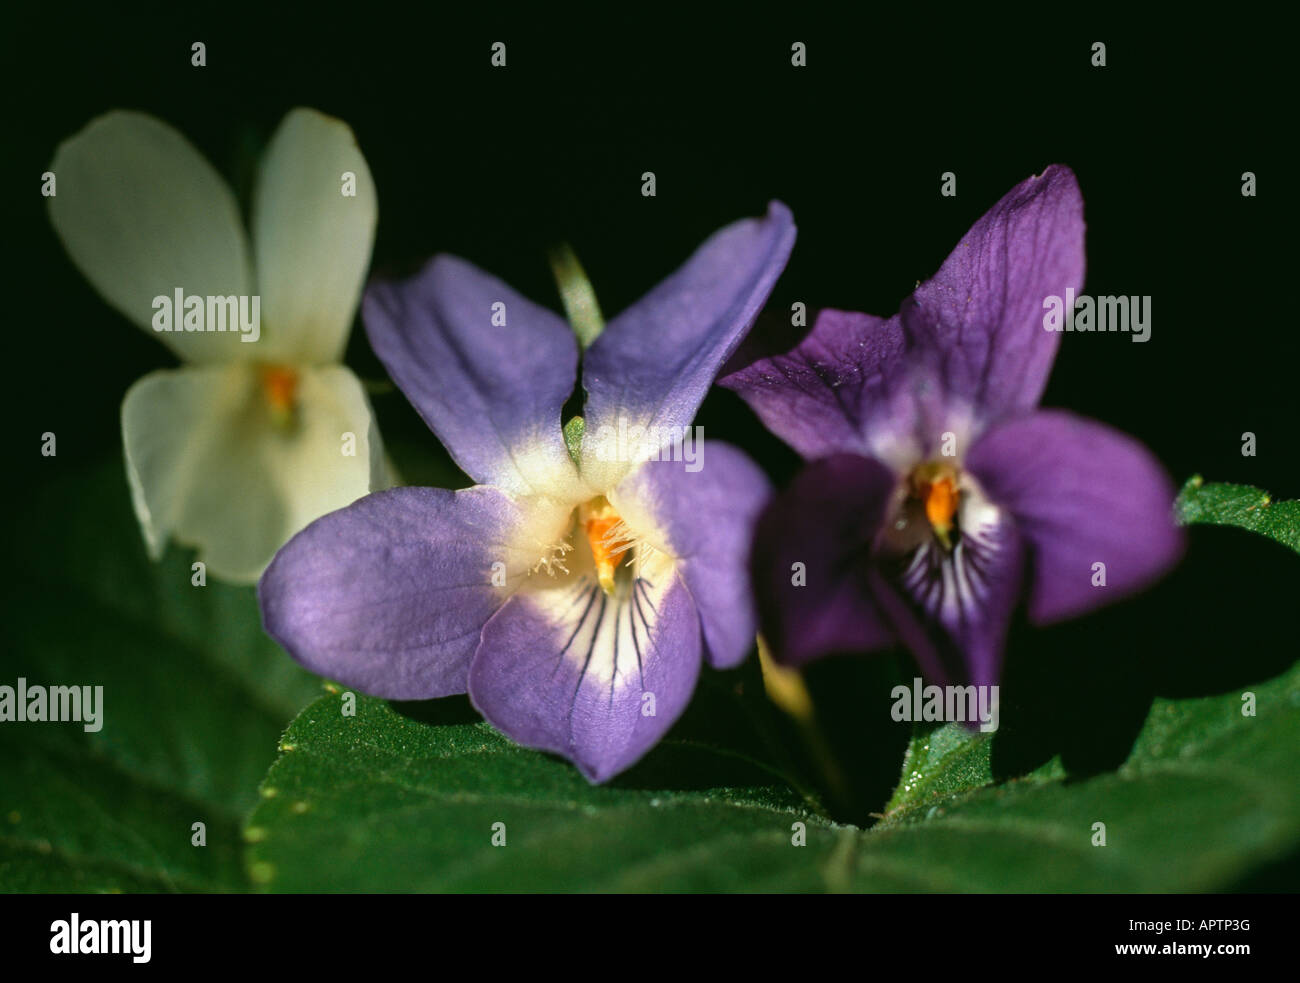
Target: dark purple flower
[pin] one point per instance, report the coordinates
(937, 493)
(572, 601)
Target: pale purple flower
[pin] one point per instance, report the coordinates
(573, 601)
(937, 494)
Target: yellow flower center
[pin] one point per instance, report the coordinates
(608, 537)
(280, 387)
(935, 486)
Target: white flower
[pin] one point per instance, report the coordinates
(247, 441)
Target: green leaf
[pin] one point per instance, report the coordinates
(195, 696)
(940, 762)
(382, 801)
(945, 761)
(1218, 504)
(1205, 795)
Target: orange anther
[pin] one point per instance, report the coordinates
(940, 503)
(281, 387)
(607, 548)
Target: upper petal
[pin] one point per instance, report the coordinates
(831, 390)
(654, 362)
(389, 594)
(142, 214)
(811, 556)
(312, 241)
(597, 679)
(705, 509)
(209, 466)
(492, 392)
(977, 324)
(1082, 493)
(966, 348)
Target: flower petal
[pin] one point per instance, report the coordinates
(312, 242)
(141, 214)
(830, 391)
(707, 520)
(652, 364)
(389, 594)
(810, 560)
(966, 348)
(1082, 494)
(492, 392)
(597, 679)
(209, 466)
(952, 608)
(978, 323)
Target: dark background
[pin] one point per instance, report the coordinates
(498, 164)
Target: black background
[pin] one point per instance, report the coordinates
(498, 164)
